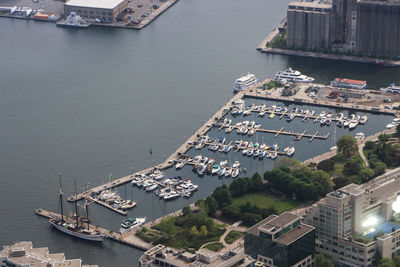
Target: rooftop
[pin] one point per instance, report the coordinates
(23, 253)
(294, 234)
(104, 4)
(314, 4)
(276, 222)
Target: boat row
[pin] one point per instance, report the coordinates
(174, 186)
(248, 148)
(114, 200)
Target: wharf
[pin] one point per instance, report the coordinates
(127, 239)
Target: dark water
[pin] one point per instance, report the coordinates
(88, 103)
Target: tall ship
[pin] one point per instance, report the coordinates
(244, 82)
(75, 229)
(291, 75)
(348, 83)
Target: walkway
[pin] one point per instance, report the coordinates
(233, 227)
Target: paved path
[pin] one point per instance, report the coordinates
(233, 227)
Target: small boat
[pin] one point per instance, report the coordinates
(261, 155)
(353, 123)
(236, 164)
(235, 173)
(290, 152)
(261, 114)
(131, 224)
(221, 172)
(250, 152)
(360, 136)
(340, 123)
(390, 125)
(271, 116)
(128, 205)
(211, 161)
(339, 116)
(290, 117)
(215, 169)
(223, 163)
(346, 123)
(151, 188)
(171, 195)
(323, 121)
(228, 172)
(363, 119)
(227, 149)
(179, 165)
(245, 151)
(201, 169)
(275, 147)
(274, 154)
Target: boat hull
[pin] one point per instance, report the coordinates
(96, 238)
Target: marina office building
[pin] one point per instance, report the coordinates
(356, 222)
(281, 241)
(108, 10)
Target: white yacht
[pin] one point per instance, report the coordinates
(293, 76)
(244, 82)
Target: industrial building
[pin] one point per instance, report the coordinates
(107, 10)
(361, 27)
(357, 221)
(23, 254)
(281, 241)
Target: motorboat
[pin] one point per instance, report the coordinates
(274, 154)
(290, 117)
(215, 169)
(363, 119)
(236, 164)
(235, 173)
(132, 224)
(353, 124)
(228, 172)
(250, 152)
(340, 123)
(179, 165)
(290, 151)
(291, 75)
(151, 188)
(222, 171)
(128, 204)
(244, 82)
(359, 136)
(275, 147)
(171, 195)
(223, 163)
(272, 115)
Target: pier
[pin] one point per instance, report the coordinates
(282, 132)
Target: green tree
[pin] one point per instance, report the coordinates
(222, 196)
(257, 183)
(187, 211)
(203, 230)
(385, 262)
(347, 145)
(321, 261)
(212, 205)
(351, 168)
(341, 181)
(194, 231)
(287, 162)
(232, 211)
(323, 179)
(326, 165)
(396, 260)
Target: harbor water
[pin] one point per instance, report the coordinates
(90, 103)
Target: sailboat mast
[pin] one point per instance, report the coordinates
(87, 209)
(76, 206)
(61, 200)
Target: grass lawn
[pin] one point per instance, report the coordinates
(217, 246)
(267, 200)
(232, 236)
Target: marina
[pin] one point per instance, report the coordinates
(236, 107)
